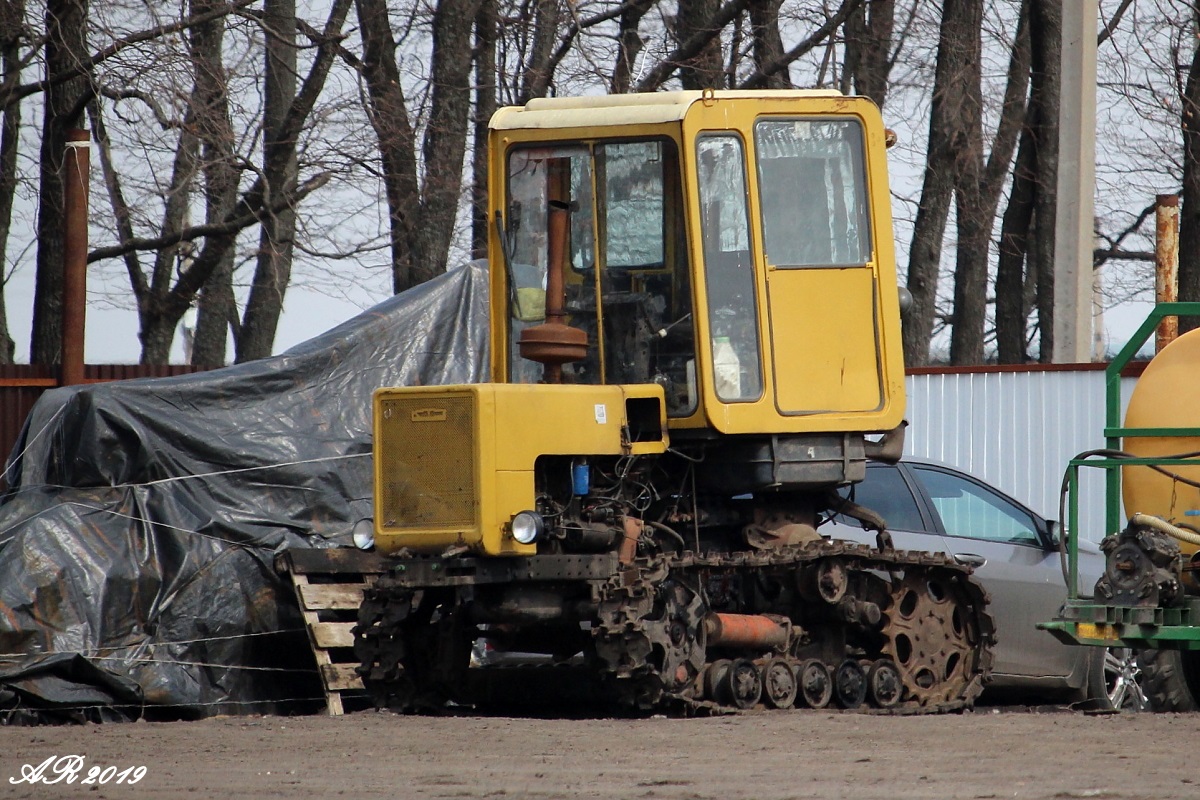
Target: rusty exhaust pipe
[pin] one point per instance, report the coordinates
(554, 343)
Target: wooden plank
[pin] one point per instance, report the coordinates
(336, 596)
(341, 677)
(333, 634)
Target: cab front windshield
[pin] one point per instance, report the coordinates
(625, 277)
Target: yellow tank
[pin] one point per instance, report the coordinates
(1165, 397)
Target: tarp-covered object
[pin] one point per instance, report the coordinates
(144, 516)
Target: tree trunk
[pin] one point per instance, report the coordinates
(868, 36)
(12, 18)
(1027, 233)
(273, 271)
(978, 187)
(629, 44)
(1046, 32)
(485, 106)
(1189, 214)
(216, 308)
(1011, 311)
(768, 43)
(536, 80)
(705, 69)
(946, 137)
(445, 135)
(961, 29)
(397, 150)
(66, 46)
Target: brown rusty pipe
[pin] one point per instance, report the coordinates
(554, 343)
(752, 631)
(1166, 264)
(556, 259)
(629, 540)
(76, 163)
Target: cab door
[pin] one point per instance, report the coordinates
(822, 298)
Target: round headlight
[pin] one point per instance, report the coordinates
(527, 527)
(364, 534)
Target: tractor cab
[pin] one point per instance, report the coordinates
(732, 247)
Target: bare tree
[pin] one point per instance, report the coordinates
(630, 44)
(12, 24)
(704, 68)
(486, 94)
(1189, 217)
(538, 68)
(163, 300)
(274, 268)
(66, 99)
(216, 306)
(977, 195)
(1024, 268)
(951, 90)
(423, 212)
(868, 49)
(767, 40)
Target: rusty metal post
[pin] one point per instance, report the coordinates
(1166, 264)
(76, 164)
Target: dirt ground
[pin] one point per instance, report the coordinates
(988, 753)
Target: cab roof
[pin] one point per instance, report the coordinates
(647, 108)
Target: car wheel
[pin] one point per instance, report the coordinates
(1115, 680)
(1165, 679)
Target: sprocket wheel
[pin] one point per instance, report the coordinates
(933, 638)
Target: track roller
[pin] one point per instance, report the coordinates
(815, 683)
(779, 683)
(885, 687)
(850, 684)
(743, 684)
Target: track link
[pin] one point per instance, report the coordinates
(893, 631)
(934, 634)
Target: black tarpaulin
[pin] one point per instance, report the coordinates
(143, 519)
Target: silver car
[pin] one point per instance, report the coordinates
(1014, 553)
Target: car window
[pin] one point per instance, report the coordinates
(885, 492)
(975, 512)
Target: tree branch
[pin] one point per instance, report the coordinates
(227, 226)
(759, 78)
(11, 92)
(664, 69)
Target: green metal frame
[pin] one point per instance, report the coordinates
(1082, 621)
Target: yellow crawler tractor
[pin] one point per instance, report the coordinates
(695, 341)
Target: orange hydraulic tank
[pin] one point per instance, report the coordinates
(1165, 397)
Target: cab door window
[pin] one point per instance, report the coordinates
(813, 183)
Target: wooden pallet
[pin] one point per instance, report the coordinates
(329, 587)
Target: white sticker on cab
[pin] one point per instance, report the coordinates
(601, 414)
